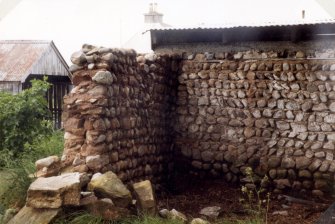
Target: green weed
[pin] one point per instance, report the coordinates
(257, 199)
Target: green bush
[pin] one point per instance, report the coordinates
(23, 118)
(26, 135)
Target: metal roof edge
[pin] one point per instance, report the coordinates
(55, 49)
(53, 45)
(249, 25)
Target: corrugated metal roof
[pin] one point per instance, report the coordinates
(20, 58)
(250, 25)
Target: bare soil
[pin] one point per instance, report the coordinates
(190, 196)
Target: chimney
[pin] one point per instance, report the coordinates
(153, 16)
(303, 14)
(151, 8)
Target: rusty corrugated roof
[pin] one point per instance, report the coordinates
(20, 58)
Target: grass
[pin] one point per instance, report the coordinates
(4, 182)
(247, 221)
(86, 218)
(16, 180)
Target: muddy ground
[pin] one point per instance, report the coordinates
(190, 196)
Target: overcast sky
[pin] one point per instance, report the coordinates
(70, 23)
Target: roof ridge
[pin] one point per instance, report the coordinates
(25, 41)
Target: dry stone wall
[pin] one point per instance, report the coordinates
(272, 111)
(136, 115)
(118, 116)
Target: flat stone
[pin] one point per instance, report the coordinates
(305, 174)
(207, 156)
(316, 145)
(29, 215)
(176, 215)
(103, 77)
(199, 221)
(54, 192)
(321, 185)
(317, 193)
(150, 57)
(320, 154)
(282, 183)
(108, 57)
(321, 76)
(164, 213)
(315, 165)
(298, 128)
(302, 162)
(203, 101)
(73, 68)
(287, 162)
(106, 209)
(48, 166)
(96, 162)
(300, 54)
(320, 107)
(145, 197)
(330, 118)
(332, 107)
(211, 212)
(108, 185)
(282, 213)
(78, 58)
(324, 166)
(306, 106)
(282, 125)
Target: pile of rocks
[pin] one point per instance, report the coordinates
(274, 114)
(103, 195)
(118, 116)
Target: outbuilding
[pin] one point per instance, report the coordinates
(24, 60)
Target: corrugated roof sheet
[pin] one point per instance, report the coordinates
(20, 58)
(251, 24)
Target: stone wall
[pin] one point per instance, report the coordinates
(118, 116)
(271, 110)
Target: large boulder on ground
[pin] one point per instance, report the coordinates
(145, 198)
(28, 215)
(108, 185)
(47, 167)
(54, 192)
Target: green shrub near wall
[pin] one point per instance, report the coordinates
(23, 119)
(26, 135)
